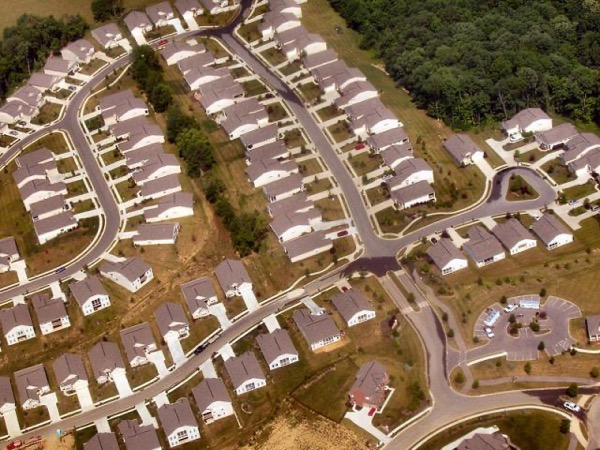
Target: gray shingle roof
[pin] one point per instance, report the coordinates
(29, 381)
(232, 272)
(548, 227)
(170, 317)
(136, 339)
(482, 244)
(175, 415)
(85, 289)
(14, 317)
(243, 368)
(314, 328)
(370, 383)
(524, 118)
(138, 437)
(444, 251)
(557, 134)
(275, 344)
(69, 368)
(102, 441)
(105, 356)
(197, 292)
(412, 192)
(511, 232)
(136, 19)
(406, 169)
(48, 309)
(208, 391)
(65, 219)
(106, 33)
(6, 393)
(283, 185)
(460, 146)
(295, 203)
(131, 268)
(307, 243)
(261, 135)
(350, 303)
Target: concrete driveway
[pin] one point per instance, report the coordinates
(177, 352)
(554, 331)
(85, 399)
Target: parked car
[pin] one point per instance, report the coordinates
(510, 308)
(13, 133)
(573, 202)
(489, 332)
(433, 240)
(572, 407)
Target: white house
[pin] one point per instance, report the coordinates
(381, 141)
(580, 146)
(212, 400)
(244, 117)
(199, 295)
(177, 51)
(52, 227)
(554, 137)
(514, 236)
(189, 9)
(447, 257)
(286, 6)
(158, 166)
(108, 36)
(90, 295)
(32, 383)
(588, 164)
(284, 187)
(353, 306)
(38, 190)
(395, 154)
(138, 342)
(245, 373)
(70, 373)
(375, 122)
(260, 137)
(318, 330)
(462, 148)
(267, 171)
(132, 273)
(160, 13)
(156, 234)
(12, 112)
(9, 253)
(233, 277)
(142, 137)
(172, 323)
(199, 76)
(81, 51)
(138, 436)
(410, 171)
(291, 224)
(530, 120)
(307, 44)
(356, 92)
(51, 313)
(483, 247)
(128, 109)
(174, 206)
(138, 24)
(7, 397)
(107, 362)
(16, 324)
(178, 422)
(277, 348)
(413, 195)
(552, 232)
(102, 441)
(219, 94)
(60, 67)
(307, 245)
(276, 22)
(160, 187)
(44, 82)
(219, 6)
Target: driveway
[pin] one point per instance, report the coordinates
(11, 421)
(85, 399)
(122, 384)
(177, 352)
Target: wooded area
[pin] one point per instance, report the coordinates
(26, 46)
(468, 61)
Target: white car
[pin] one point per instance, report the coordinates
(510, 308)
(489, 333)
(572, 407)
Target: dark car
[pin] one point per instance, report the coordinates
(200, 349)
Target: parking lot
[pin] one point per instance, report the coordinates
(553, 318)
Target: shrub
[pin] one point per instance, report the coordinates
(459, 378)
(595, 372)
(527, 368)
(573, 390)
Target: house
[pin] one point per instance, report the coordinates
(412, 195)
(32, 383)
(138, 158)
(286, 6)
(15, 111)
(233, 278)
(43, 171)
(160, 187)
(156, 234)
(462, 148)
(244, 117)
(579, 146)
(489, 438)
(375, 122)
(160, 13)
(9, 253)
(277, 348)
(37, 157)
(318, 331)
(102, 441)
(307, 245)
(138, 341)
(395, 154)
(188, 9)
(108, 36)
(381, 141)
(128, 109)
(212, 400)
(106, 361)
(219, 6)
(291, 225)
(483, 247)
(38, 190)
(141, 137)
(316, 60)
(90, 295)
(138, 24)
(16, 324)
(178, 422)
(7, 397)
(552, 232)
(304, 44)
(329, 75)
(588, 164)
(219, 94)
(60, 67)
(559, 135)
(131, 273)
(410, 171)
(514, 236)
(43, 82)
(172, 322)
(592, 324)
(82, 51)
(447, 257)
(52, 227)
(70, 373)
(370, 387)
(201, 60)
(353, 306)
(51, 313)
(157, 166)
(284, 188)
(245, 373)
(266, 171)
(177, 51)
(295, 204)
(276, 22)
(260, 137)
(274, 151)
(356, 92)
(198, 76)
(199, 295)
(27, 95)
(48, 208)
(138, 436)
(174, 206)
(530, 120)
(111, 101)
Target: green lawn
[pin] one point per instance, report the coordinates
(341, 131)
(329, 112)
(580, 192)
(253, 88)
(557, 171)
(520, 190)
(48, 113)
(365, 163)
(310, 92)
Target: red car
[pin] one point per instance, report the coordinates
(359, 146)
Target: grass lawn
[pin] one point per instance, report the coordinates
(127, 190)
(276, 112)
(529, 430)
(86, 205)
(331, 208)
(479, 137)
(294, 138)
(557, 171)
(519, 190)
(93, 66)
(62, 94)
(239, 72)
(54, 142)
(531, 156)
(329, 112)
(341, 131)
(48, 113)
(250, 31)
(318, 186)
(365, 162)
(310, 92)
(6, 140)
(580, 192)
(66, 165)
(310, 167)
(8, 278)
(111, 157)
(291, 68)
(253, 88)
(427, 134)
(76, 188)
(273, 56)
(377, 195)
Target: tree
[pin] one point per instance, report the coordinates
(573, 390)
(527, 368)
(104, 10)
(543, 292)
(178, 121)
(161, 97)
(565, 426)
(541, 346)
(595, 372)
(459, 378)
(194, 148)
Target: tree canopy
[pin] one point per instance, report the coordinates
(467, 61)
(146, 70)
(104, 10)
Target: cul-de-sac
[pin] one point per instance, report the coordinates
(300, 224)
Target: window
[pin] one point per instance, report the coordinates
(250, 386)
(182, 435)
(96, 304)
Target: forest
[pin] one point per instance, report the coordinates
(26, 46)
(473, 61)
